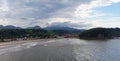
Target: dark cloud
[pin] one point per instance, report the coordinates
(41, 9)
(37, 12)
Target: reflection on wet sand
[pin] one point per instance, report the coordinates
(42, 53)
(66, 50)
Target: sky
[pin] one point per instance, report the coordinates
(81, 14)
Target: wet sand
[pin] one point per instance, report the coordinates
(54, 51)
(62, 50)
(22, 41)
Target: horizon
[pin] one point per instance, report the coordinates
(79, 14)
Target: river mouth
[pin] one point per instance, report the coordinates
(67, 50)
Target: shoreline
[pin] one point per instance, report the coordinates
(24, 41)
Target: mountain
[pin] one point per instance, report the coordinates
(9, 27)
(1, 26)
(38, 27)
(35, 27)
(60, 28)
(14, 27)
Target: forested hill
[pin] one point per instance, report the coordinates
(100, 33)
(10, 32)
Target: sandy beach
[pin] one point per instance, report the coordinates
(22, 41)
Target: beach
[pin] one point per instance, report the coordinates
(23, 41)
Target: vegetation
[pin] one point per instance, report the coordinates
(32, 33)
(100, 33)
(19, 33)
(95, 33)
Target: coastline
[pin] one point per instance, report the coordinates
(24, 41)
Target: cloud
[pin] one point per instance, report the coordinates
(113, 22)
(3, 8)
(27, 13)
(87, 10)
(41, 9)
(68, 22)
